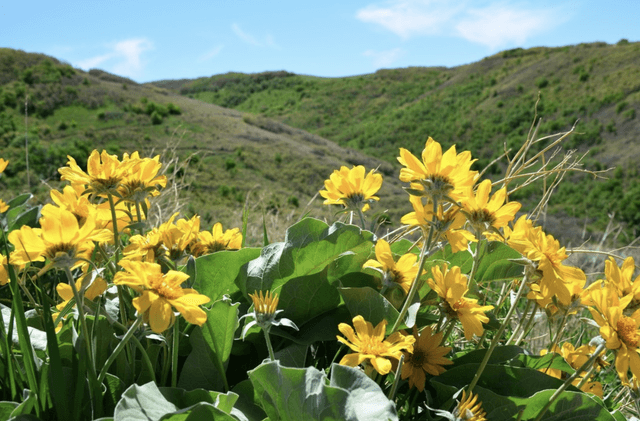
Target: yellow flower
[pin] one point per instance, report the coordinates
(451, 286)
(3, 164)
(265, 312)
(442, 177)
(449, 223)
(97, 287)
(3, 206)
(350, 188)
(104, 175)
(620, 332)
(370, 346)
(427, 357)
(160, 293)
(468, 410)
(143, 179)
(486, 214)
(60, 240)
(401, 274)
(576, 358)
(545, 252)
(216, 240)
(4, 273)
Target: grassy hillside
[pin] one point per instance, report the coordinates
(480, 107)
(227, 158)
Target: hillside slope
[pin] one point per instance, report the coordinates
(233, 158)
(480, 107)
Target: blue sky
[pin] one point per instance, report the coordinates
(149, 41)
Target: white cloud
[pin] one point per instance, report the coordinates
(384, 58)
(250, 39)
(123, 58)
(211, 53)
(495, 24)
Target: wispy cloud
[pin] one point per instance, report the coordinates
(122, 58)
(268, 40)
(492, 24)
(211, 53)
(384, 58)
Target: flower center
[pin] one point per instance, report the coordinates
(417, 358)
(55, 250)
(437, 186)
(482, 218)
(628, 331)
(166, 290)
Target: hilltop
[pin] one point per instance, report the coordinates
(480, 107)
(224, 158)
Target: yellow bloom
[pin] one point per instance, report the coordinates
(545, 252)
(4, 273)
(370, 346)
(97, 287)
(486, 214)
(216, 240)
(401, 274)
(160, 293)
(442, 177)
(104, 175)
(60, 240)
(351, 188)
(3, 206)
(468, 410)
(451, 286)
(620, 332)
(621, 277)
(265, 310)
(576, 358)
(3, 164)
(427, 357)
(143, 179)
(449, 223)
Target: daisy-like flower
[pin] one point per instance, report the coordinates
(451, 286)
(546, 255)
(216, 240)
(576, 358)
(160, 294)
(104, 176)
(449, 223)
(351, 188)
(4, 274)
(400, 274)
(96, 287)
(486, 214)
(61, 240)
(370, 346)
(442, 177)
(427, 357)
(265, 312)
(468, 410)
(621, 333)
(622, 276)
(143, 179)
(3, 165)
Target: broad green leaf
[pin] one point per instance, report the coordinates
(306, 297)
(6, 408)
(462, 259)
(199, 412)
(216, 273)
(102, 336)
(324, 327)
(498, 408)
(309, 247)
(369, 304)
(552, 360)
(402, 246)
(184, 399)
(247, 401)
(220, 328)
(115, 387)
(495, 265)
(295, 394)
(569, 406)
(293, 355)
(199, 370)
(143, 403)
(499, 355)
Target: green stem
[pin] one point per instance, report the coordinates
(174, 354)
(121, 345)
(570, 380)
(527, 328)
(476, 258)
(362, 220)
(519, 326)
(450, 325)
(266, 337)
(396, 380)
(114, 222)
(586, 377)
(496, 338)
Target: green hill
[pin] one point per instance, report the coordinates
(232, 158)
(480, 107)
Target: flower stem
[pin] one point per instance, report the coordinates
(449, 328)
(119, 348)
(114, 222)
(266, 337)
(496, 338)
(174, 354)
(526, 329)
(396, 380)
(517, 329)
(601, 347)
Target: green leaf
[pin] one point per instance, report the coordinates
(295, 394)
(200, 370)
(324, 327)
(199, 412)
(462, 259)
(495, 265)
(552, 360)
(369, 304)
(6, 408)
(247, 401)
(499, 355)
(216, 273)
(306, 297)
(293, 355)
(569, 406)
(309, 247)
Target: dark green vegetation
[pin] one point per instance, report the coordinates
(480, 107)
(225, 158)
